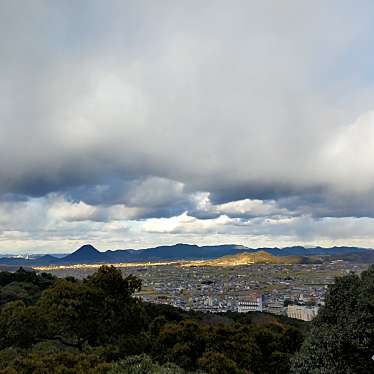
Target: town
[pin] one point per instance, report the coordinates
(296, 290)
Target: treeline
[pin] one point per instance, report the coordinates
(341, 340)
(97, 325)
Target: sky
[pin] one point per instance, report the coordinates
(130, 124)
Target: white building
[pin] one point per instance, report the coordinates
(251, 303)
(302, 312)
(208, 301)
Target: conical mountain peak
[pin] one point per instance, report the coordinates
(87, 248)
(85, 254)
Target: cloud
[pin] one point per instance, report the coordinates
(285, 230)
(186, 224)
(239, 208)
(129, 111)
(350, 156)
(54, 224)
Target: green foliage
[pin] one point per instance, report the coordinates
(98, 311)
(193, 345)
(24, 291)
(98, 326)
(23, 285)
(342, 337)
(43, 280)
(143, 364)
(218, 363)
(8, 356)
(58, 363)
(19, 325)
(110, 282)
(71, 312)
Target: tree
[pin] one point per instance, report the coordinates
(71, 310)
(218, 363)
(27, 292)
(182, 343)
(110, 281)
(57, 363)
(23, 285)
(91, 325)
(143, 364)
(342, 337)
(97, 311)
(20, 326)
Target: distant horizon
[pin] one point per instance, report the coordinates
(59, 254)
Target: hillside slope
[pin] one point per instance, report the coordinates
(261, 257)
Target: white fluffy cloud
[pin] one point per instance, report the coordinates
(238, 208)
(55, 224)
(187, 224)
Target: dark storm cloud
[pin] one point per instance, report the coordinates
(159, 196)
(331, 204)
(131, 109)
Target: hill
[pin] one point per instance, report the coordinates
(315, 251)
(86, 253)
(260, 257)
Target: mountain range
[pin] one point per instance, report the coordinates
(87, 254)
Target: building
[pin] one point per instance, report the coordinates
(302, 312)
(275, 307)
(251, 303)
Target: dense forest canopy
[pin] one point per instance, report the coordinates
(98, 325)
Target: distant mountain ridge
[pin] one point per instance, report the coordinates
(88, 254)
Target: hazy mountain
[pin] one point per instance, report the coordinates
(302, 251)
(358, 257)
(45, 260)
(89, 254)
(175, 252)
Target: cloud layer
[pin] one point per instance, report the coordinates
(131, 123)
